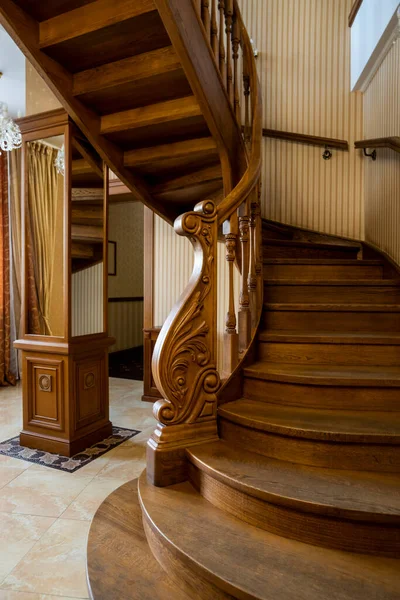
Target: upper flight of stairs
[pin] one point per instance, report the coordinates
(113, 66)
(300, 497)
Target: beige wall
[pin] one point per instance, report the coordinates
(382, 177)
(304, 67)
(39, 98)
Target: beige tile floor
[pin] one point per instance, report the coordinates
(45, 514)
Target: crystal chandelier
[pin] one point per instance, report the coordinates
(59, 163)
(10, 133)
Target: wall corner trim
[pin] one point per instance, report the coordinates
(388, 38)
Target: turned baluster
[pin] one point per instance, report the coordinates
(222, 63)
(205, 17)
(231, 338)
(235, 55)
(255, 265)
(214, 29)
(246, 92)
(244, 309)
(258, 250)
(228, 28)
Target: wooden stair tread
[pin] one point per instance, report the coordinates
(293, 243)
(335, 282)
(328, 425)
(330, 337)
(321, 261)
(346, 494)
(120, 563)
(250, 563)
(324, 307)
(338, 375)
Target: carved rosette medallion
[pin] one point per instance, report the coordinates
(89, 381)
(184, 359)
(45, 384)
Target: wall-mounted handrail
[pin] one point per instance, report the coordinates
(312, 140)
(354, 10)
(393, 143)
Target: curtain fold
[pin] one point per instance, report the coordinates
(42, 211)
(6, 376)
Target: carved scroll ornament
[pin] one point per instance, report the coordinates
(184, 359)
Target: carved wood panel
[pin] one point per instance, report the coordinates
(46, 393)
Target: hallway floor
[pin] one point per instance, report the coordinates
(45, 514)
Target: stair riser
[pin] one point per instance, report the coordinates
(322, 272)
(343, 321)
(330, 354)
(327, 531)
(322, 397)
(299, 252)
(317, 453)
(345, 294)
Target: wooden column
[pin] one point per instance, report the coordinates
(65, 376)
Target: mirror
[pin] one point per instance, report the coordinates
(87, 239)
(45, 259)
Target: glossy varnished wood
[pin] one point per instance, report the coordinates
(120, 564)
(347, 510)
(210, 545)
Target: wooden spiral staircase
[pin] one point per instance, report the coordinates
(279, 479)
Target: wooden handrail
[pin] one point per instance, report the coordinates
(252, 174)
(354, 10)
(393, 143)
(301, 138)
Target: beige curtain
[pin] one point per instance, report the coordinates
(42, 211)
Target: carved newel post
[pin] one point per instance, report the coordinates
(184, 359)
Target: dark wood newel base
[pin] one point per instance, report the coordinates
(166, 450)
(62, 447)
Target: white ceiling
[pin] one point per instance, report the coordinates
(12, 83)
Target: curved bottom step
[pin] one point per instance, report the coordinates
(220, 557)
(120, 564)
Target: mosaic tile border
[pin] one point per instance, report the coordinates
(12, 449)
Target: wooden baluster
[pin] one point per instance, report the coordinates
(255, 263)
(198, 6)
(214, 29)
(244, 309)
(229, 69)
(246, 92)
(258, 251)
(252, 281)
(205, 17)
(236, 36)
(231, 338)
(222, 54)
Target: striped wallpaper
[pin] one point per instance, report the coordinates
(125, 324)
(382, 177)
(173, 264)
(304, 68)
(87, 301)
